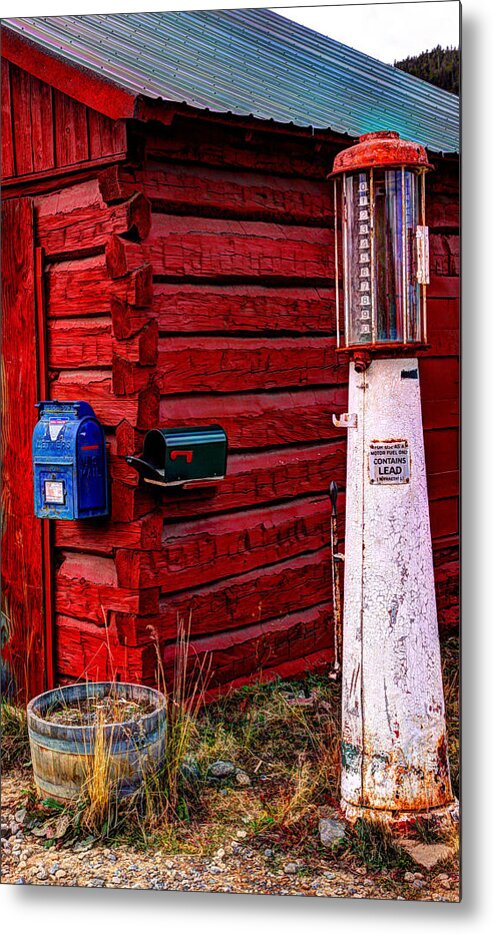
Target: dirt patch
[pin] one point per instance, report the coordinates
(101, 711)
(241, 864)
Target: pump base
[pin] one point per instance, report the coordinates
(439, 817)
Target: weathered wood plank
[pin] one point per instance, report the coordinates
(105, 536)
(78, 287)
(263, 419)
(80, 342)
(440, 391)
(218, 249)
(444, 342)
(248, 308)
(86, 343)
(440, 413)
(439, 378)
(441, 450)
(200, 551)
(95, 387)
(447, 587)
(23, 655)
(444, 255)
(273, 475)
(76, 219)
(243, 652)
(224, 364)
(292, 670)
(443, 485)
(206, 145)
(447, 287)
(84, 651)
(42, 125)
(443, 314)
(221, 193)
(264, 477)
(7, 137)
(75, 288)
(248, 599)
(106, 137)
(71, 142)
(22, 126)
(87, 588)
(444, 517)
(443, 211)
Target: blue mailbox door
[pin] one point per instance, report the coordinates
(91, 473)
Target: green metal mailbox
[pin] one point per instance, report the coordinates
(179, 456)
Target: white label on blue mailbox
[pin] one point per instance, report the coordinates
(55, 426)
(54, 492)
(389, 462)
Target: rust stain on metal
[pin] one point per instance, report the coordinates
(410, 787)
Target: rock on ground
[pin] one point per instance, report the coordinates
(331, 831)
(427, 855)
(242, 778)
(221, 769)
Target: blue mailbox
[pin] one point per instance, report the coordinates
(69, 459)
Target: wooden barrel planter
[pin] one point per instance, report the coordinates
(62, 755)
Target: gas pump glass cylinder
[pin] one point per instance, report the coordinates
(384, 245)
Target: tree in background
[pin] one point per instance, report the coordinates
(440, 67)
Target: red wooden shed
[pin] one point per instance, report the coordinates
(167, 256)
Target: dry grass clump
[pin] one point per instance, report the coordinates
(375, 845)
(14, 736)
(99, 802)
(450, 653)
(286, 736)
(162, 797)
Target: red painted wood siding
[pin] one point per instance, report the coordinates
(45, 131)
(224, 310)
(23, 624)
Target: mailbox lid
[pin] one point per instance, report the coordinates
(188, 453)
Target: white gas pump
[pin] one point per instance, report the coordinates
(394, 744)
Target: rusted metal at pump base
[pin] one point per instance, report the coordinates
(410, 789)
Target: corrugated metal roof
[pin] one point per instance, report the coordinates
(251, 62)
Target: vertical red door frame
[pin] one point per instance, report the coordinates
(46, 527)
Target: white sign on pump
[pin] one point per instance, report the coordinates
(389, 462)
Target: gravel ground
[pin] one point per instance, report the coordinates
(236, 867)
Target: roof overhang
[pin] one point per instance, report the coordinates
(117, 103)
(102, 95)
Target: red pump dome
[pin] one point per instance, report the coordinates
(382, 149)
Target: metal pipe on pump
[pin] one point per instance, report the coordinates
(336, 559)
(394, 744)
